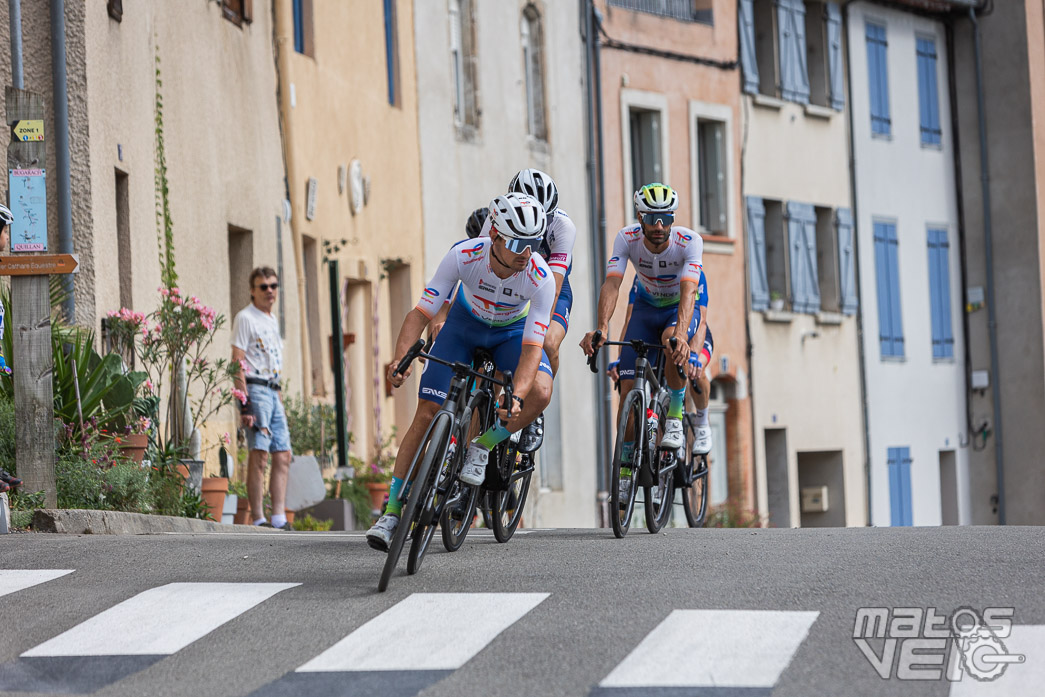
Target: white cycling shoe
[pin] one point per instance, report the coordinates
(474, 470)
(673, 437)
(702, 440)
(380, 535)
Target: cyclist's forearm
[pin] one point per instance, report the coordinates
(607, 302)
(685, 311)
(413, 325)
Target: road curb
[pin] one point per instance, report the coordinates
(87, 522)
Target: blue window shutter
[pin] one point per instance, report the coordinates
(894, 291)
(835, 63)
(756, 227)
(905, 485)
(885, 305)
(895, 487)
(878, 79)
(928, 93)
(940, 293)
(299, 26)
(791, 28)
(796, 253)
(846, 262)
(934, 295)
(390, 50)
(748, 58)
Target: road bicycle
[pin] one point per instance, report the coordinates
(641, 423)
(434, 485)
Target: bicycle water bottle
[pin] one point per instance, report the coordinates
(652, 422)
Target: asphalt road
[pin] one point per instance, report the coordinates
(553, 612)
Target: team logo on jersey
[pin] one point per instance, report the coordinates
(661, 278)
(483, 285)
(537, 271)
(474, 251)
(558, 257)
(695, 267)
(431, 292)
(681, 237)
(507, 291)
(542, 329)
(493, 305)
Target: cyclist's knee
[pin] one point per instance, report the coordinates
(541, 392)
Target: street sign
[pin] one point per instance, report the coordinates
(28, 129)
(27, 193)
(39, 265)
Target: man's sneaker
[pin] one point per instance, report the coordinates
(380, 535)
(532, 435)
(672, 438)
(9, 479)
(474, 470)
(702, 440)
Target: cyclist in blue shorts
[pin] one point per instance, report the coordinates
(503, 304)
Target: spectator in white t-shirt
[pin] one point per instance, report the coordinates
(258, 348)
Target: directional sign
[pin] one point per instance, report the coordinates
(40, 265)
(28, 129)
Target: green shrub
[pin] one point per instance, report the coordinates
(21, 519)
(80, 480)
(312, 426)
(7, 433)
(308, 523)
(733, 515)
(126, 488)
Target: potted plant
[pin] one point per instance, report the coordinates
(239, 490)
(776, 300)
(135, 439)
(213, 492)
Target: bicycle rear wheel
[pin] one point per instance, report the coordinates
(507, 506)
(695, 496)
(622, 503)
(425, 462)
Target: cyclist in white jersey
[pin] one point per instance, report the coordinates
(504, 304)
(557, 250)
(668, 263)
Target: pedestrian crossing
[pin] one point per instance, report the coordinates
(424, 638)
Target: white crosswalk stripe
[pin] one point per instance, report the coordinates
(720, 648)
(159, 621)
(14, 580)
(411, 635)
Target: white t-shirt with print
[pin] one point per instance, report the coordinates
(257, 334)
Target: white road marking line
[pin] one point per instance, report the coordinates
(1018, 679)
(427, 631)
(725, 648)
(14, 580)
(159, 621)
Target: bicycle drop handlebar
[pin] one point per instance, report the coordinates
(418, 351)
(640, 347)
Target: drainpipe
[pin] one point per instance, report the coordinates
(14, 11)
(597, 240)
(988, 257)
(61, 127)
(856, 276)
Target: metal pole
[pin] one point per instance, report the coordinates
(14, 11)
(338, 360)
(61, 127)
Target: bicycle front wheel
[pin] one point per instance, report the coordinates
(507, 506)
(623, 479)
(437, 486)
(459, 510)
(424, 465)
(659, 497)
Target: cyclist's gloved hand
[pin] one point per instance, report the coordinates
(693, 368)
(612, 370)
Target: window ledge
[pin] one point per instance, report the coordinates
(938, 147)
(764, 100)
(782, 316)
(893, 359)
(944, 361)
(829, 318)
(718, 244)
(820, 112)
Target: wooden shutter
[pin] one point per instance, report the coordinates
(756, 226)
(791, 34)
(748, 58)
(835, 59)
(849, 299)
(801, 231)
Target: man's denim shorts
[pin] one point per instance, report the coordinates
(268, 414)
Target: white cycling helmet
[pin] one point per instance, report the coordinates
(6, 218)
(656, 198)
(537, 184)
(519, 219)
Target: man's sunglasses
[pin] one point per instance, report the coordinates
(652, 218)
(267, 286)
(516, 246)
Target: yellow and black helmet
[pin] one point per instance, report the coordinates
(656, 198)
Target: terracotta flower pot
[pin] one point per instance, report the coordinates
(290, 516)
(378, 492)
(242, 512)
(133, 446)
(214, 490)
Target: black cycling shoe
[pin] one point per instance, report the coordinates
(9, 479)
(532, 435)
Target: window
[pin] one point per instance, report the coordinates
(928, 97)
(646, 166)
(463, 64)
(241, 263)
(312, 270)
(392, 52)
(711, 177)
(682, 10)
(940, 294)
(115, 8)
(778, 33)
(824, 45)
(878, 80)
(899, 464)
(834, 259)
(236, 11)
(303, 27)
(890, 324)
(123, 239)
(533, 68)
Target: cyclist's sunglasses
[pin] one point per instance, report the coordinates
(266, 286)
(516, 246)
(665, 218)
